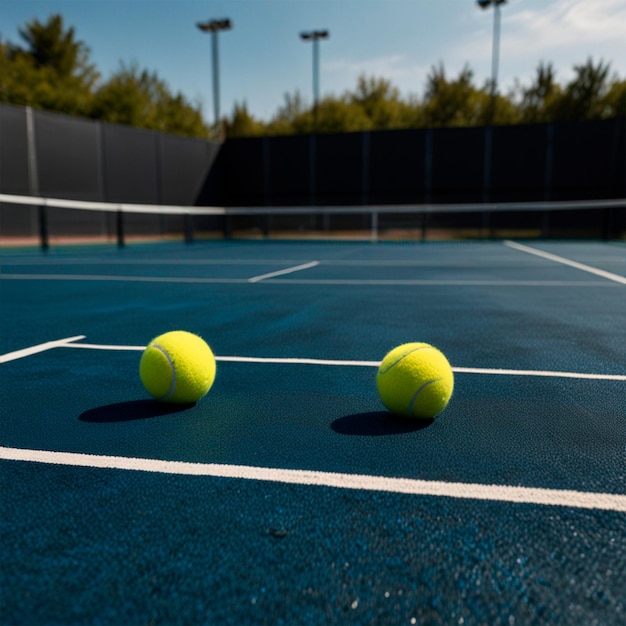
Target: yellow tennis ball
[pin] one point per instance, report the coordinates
(415, 380)
(177, 367)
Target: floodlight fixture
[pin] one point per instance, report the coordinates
(485, 4)
(315, 36)
(213, 27)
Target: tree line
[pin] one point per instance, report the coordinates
(52, 70)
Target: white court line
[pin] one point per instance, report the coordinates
(288, 270)
(314, 281)
(296, 361)
(408, 282)
(546, 373)
(69, 343)
(129, 279)
(559, 259)
(18, 261)
(346, 363)
(42, 347)
(467, 491)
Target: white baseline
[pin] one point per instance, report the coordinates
(467, 491)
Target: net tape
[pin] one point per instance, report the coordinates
(124, 207)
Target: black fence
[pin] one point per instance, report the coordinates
(567, 161)
(58, 156)
(501, 164)
(52, 155)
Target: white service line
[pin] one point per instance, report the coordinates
(69, 343)
(42, 347)
(545, 373)
(467, 491)
(559, 259)
(296, 361)
(101, 346)
(288, 270)
(310, 281)
(124, 279)
(345, 363)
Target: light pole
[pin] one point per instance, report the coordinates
(315, 36)
(495, 52)
(213, 27)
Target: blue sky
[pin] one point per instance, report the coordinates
(263, 58)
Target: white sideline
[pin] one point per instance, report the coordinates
(468, 491)
(559, 259)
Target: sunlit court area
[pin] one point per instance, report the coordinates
(356, 358)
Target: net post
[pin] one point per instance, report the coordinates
(120, 228)
(188, 228)
(43, 227)
(374, 231)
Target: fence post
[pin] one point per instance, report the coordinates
(267, 181)
(428, 165)
(547, 180)
(487, 162)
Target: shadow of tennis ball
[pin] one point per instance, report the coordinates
(131, 410)
(377, 424)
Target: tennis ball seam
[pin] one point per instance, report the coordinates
(403, 356)
(417, 393)
(170, 392)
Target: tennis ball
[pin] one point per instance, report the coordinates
(415, 380)
(177, 367)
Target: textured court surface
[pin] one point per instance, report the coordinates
(288, 495)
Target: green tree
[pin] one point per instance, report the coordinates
(242, 124)
(52, 46)
(454, 102)
(140, 98)
(52, 72)
(584, 96)
(381, 103)
(336, 115)
(294, 116)
(538, 101)
(613, 104)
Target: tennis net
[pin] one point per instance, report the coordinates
(28, 219)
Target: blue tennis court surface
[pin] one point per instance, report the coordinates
(288, 495)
